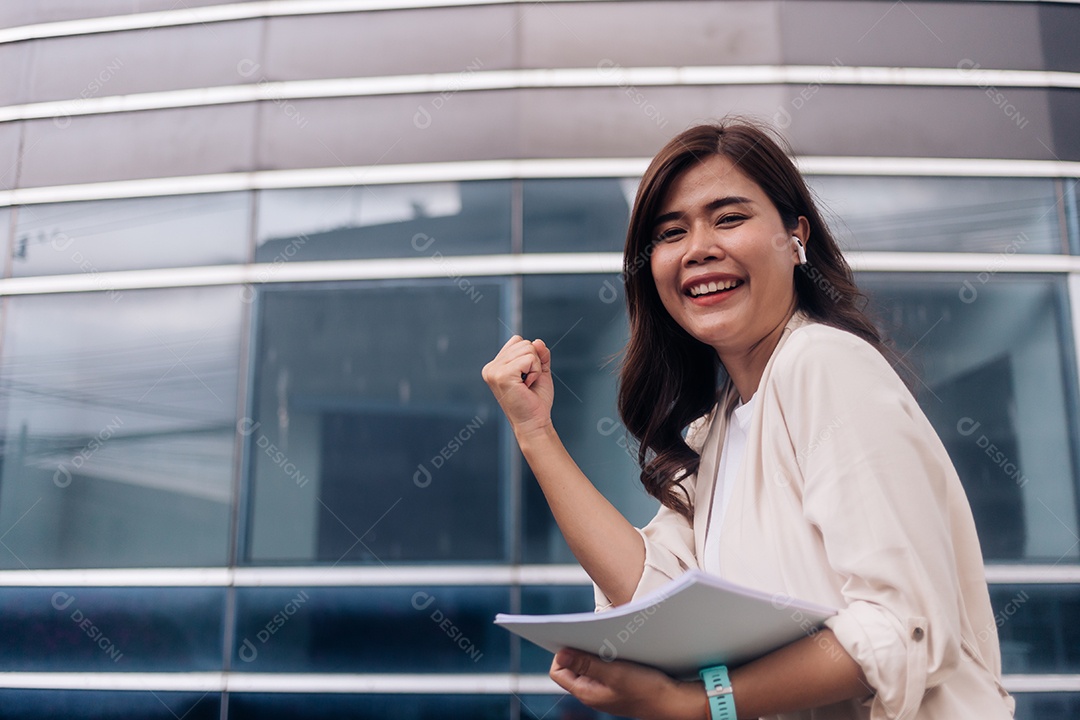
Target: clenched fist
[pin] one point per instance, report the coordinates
(520, 378)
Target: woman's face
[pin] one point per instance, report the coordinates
(723, 262)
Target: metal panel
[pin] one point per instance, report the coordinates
(627, 121)
(14, 59)
(104, 64)
(386, 130)
(138, 145)
(1064, 118)
(1060, 25)
(650, 33)
(355, 45)
(922, 122)
(10, 134)
(931, 34)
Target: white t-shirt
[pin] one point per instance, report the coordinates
(730, 460)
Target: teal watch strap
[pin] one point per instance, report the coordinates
(718, 688)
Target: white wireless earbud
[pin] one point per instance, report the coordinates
(799, 249)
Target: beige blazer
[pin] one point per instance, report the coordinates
(846, 497)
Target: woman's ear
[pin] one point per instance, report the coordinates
(802, 230)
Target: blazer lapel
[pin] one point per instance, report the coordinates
(705, 482)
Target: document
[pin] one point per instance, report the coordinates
(695, 621)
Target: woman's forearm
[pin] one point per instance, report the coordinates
(603, 541)
(812, 672)
(809, 673)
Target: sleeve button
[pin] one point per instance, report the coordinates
(917, 634)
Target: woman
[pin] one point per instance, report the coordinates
(809, 472)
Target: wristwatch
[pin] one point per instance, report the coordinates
(718, 690)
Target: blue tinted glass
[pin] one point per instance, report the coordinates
(1047, 706)
(111, 629)
(928, 214)
(550, 601)
(371, 629)
(583, 319)
(379, 221)
(373, 437)
(131, 234)
(991, 362)
(560, 707)
(1038, 626)
(118, 413)
(581, 215)
(243, 706)
(110, 705)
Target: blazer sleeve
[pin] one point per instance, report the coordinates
(878, 485)
(669, 538)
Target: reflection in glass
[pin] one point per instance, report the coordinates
(382, 221)
(371, 629)
(374, 438)
(118, 414)
(133, 629)
(1039, 627)
(288, 706)
(928, 214)
(557, 707)
(115, 705)
(580, 215)
(550, 600)
(131, 234)
(1047, 706)
(584, 323)
(993, 367)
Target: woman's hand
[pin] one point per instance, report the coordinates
(627, 689)
(520, 377)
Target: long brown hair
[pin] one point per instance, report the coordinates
(668, 378)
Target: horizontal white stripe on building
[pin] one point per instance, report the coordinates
(236, 11)
(525, 169)
(403, 576)
(383, 684)
(311, 576)
(205, 682)
(479, 266)
(596, 77)
(265, 8)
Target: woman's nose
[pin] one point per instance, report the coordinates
(702, 246)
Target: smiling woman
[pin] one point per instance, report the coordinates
(786, 452)
(718, 204)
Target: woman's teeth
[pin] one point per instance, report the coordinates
(711, 287)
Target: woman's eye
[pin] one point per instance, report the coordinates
(733, 217)
(669, 235)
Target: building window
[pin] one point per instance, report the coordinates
(119, 414)
(372, 437)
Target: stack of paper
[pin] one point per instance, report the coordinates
(693, 622)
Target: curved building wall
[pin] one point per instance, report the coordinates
(255, 254)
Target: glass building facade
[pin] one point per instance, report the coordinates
(255, 255)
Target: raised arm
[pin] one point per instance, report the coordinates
(603, 541)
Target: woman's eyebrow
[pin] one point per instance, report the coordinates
(711, 207)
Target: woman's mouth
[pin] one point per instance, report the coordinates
(713, 288)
